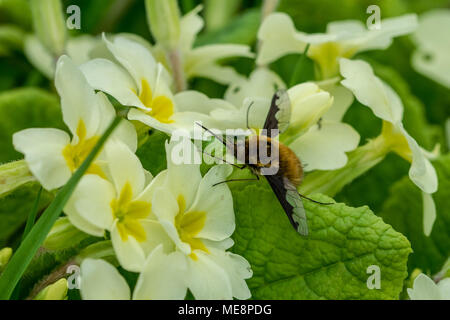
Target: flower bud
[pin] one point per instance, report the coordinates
(14, 175)
(309, 103)
(164, 20)
(55, 291)
(99, 250)
(49, 25)
(5, 254)
(63, 235)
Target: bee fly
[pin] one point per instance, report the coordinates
(289, 171)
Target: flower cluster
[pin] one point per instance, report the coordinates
(175, 229)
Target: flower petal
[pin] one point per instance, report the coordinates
(130, 254)
(444, 288)
(43, 150)
(217, 203)
(79, 48)
(124, 167)
(424, 289)
(342, 100)
(39, 56)
(371, 91)
(155, 236)
(135, 58)
(324, 148)
(207, 280)
(101, 281)
(190, 26)
(78, 99)
(183, 172)
(421, 172)
(165, 207)
(262, 83)
(92, 201)
(238, 269)
(108, 77)
(278, 37)
(429, 213)
(163, 277)
(202, 62)
(431, 58)
(390, 28)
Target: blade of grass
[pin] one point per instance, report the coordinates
(299, 68)
(32, 217)
(30, 222)
(28, 248)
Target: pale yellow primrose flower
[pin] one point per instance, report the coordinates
(387, 105)
(321, 147)
(425, 288)
(139, 81)
(121, 205)
(51, 154)
(203, 61)
(342, 39)
(197, 218)
(432, 57)
(77, 48)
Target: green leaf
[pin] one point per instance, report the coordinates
(241, 30)
(331, 263)
(17, 12)
(18, 191)
(153, 152)
(11, 39)
(403, 210)
(24, 254)
(25, 108)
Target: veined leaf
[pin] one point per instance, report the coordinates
(331, 263)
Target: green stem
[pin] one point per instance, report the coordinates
(177, 70)
(30, 245)
(299, 67)
(359, 162)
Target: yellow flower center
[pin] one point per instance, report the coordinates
(128, 213)
(162, 107)
(396, 141)
(76, 154)
(188, 225)
(326, 55)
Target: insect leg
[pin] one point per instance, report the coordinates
(318, 202)
(236, 180)
(225, 161)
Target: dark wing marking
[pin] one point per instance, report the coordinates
(279, 113)
(291, 202)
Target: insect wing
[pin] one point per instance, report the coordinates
(291, 202)
(279, 112)
(298, 211)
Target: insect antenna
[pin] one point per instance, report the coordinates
(225, 143)
(248, 112)
(318, 202)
